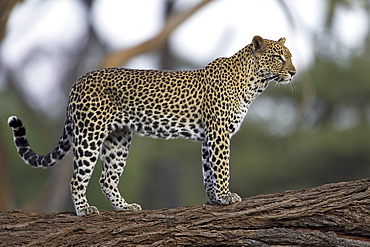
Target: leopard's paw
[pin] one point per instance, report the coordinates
(232, 198)
(89, 210)
(133, 207)
(225, 200)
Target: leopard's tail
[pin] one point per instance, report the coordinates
(29, 156)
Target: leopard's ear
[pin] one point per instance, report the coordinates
(258, 44)
(282, 41)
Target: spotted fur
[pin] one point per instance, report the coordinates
(209, 104)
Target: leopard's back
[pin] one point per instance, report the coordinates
(156, 103)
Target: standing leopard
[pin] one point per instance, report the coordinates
(209, 104)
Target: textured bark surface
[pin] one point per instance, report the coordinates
(330, 215)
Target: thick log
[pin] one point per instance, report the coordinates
(330, 215)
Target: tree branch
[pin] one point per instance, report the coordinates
(6, 7)
(116, 59)
(329, 215)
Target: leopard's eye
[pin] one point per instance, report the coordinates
(279, 57)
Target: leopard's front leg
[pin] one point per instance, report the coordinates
(215, 159)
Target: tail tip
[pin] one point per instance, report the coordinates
(14, 122)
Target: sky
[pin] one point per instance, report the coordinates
(219, 29)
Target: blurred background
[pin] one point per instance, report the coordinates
(309, 133)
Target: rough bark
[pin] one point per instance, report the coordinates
(329, 215)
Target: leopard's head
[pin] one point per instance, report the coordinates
(274, 60)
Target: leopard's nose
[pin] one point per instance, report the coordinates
(292, 73)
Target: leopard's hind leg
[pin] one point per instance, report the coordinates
(113, 154)
(84, 160)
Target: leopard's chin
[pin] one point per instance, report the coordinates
(285, 82)
(282, 80)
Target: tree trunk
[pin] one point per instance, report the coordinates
(330, 215)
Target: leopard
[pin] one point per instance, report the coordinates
(106, 106)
